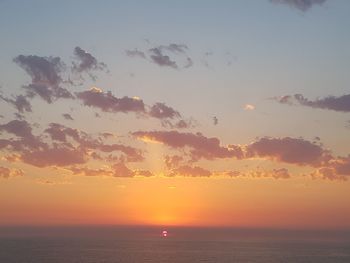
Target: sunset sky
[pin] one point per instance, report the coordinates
(189, 113)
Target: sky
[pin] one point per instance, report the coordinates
(175, 113)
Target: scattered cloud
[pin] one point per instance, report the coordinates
(6, 173)
(189, 171)
(157, 56)
(341, 104)
(280, 173)
(160, 55)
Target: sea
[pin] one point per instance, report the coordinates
(110, 244)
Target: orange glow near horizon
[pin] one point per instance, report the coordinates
(180, 202)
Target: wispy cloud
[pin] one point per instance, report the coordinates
(302, 5)
(341, 103)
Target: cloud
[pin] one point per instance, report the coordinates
(289, 150)
(162, 111)
(172, 161)
(175, 48)
(85, 171)
(67, 116)
(249, 107)
(135, 53)
(45, 73)
(61, 146)
(20, 102)
(7, 172)
(341, 104)
(44, 70)
(56, 156)
(117, 170)
(328, 173)
(189, 63)
(52, 182)
(157, 56)
(86, 63)
(201, 146)
(160, 55)
(280, 173)
(18, 128)
(302, 5)
(215, 120)
(189, 171)
(107, 102)
(61, 133)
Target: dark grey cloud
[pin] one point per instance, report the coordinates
(341, 103)
(20, 128)
(67, 116)
(302, 5)
(157, 56)
(20, 102)
(45, 73)
(87, 63)
(44, 70)
(107, 102)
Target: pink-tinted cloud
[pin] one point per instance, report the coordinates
(190, 171)
(289, 150)
(173, 161)
(7, 172)
(56, 156)
(280, 173)
(200, 146)
(162, 111)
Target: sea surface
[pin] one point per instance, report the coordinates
(182, 245)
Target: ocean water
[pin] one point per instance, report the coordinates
(182, 245)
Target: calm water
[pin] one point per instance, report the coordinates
(183, 245)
